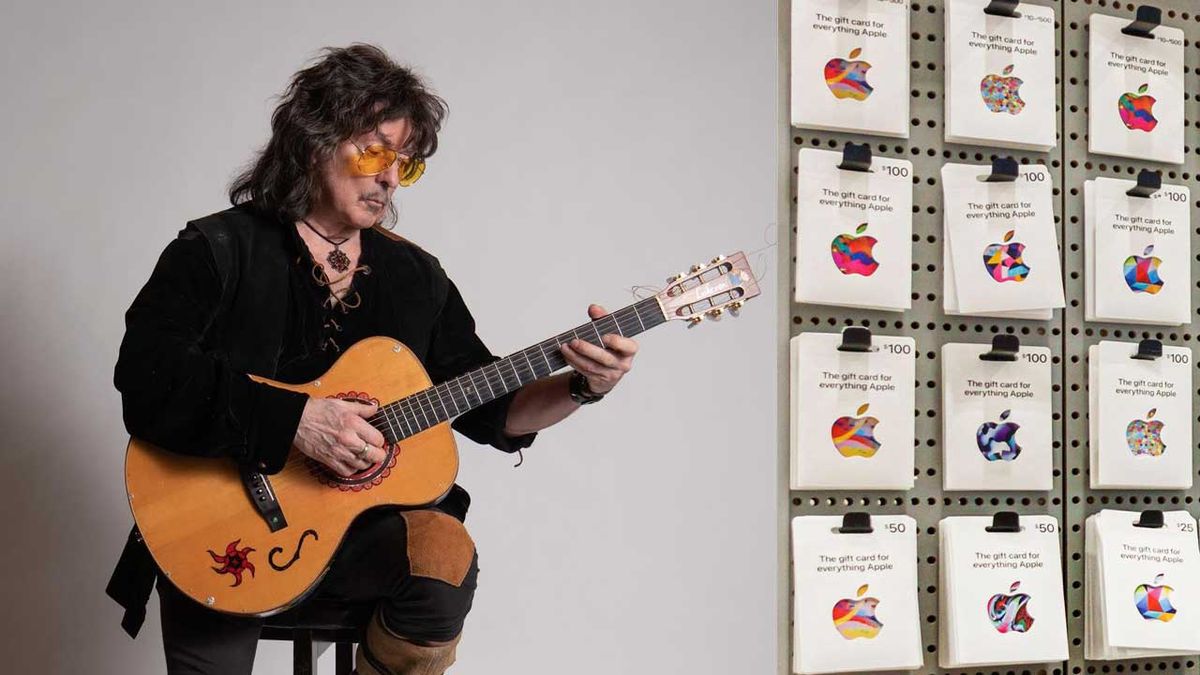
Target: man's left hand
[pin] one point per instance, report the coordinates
(602, 367)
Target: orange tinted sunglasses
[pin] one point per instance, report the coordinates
(375, 159)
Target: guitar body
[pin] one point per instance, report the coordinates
(203, 530)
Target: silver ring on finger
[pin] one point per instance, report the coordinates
(361, 453)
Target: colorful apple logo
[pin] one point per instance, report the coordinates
(852, 254)
(998, 441)
(855, 436)
(1137, 111)
(1154, 600)
(1141, 272)
(1003, 261)
(848, 79)
(856, 618)
(1009, 613)
(1001, 93)
(1145, 436)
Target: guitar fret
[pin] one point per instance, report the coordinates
(421, 410)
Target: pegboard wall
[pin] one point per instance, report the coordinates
(1067, 335)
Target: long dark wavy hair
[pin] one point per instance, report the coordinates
(346, 92)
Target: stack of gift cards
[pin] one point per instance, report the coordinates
(1001, 248)
(853, 232)
(850, 66)
(1000, 76)
(852, 412)
(1142, 585)
(996, 418)
(1140, 416)
(855, 597)
(1137, 253)
(1135, 91)
(1001, 591)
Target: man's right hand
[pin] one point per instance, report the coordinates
(333, 432)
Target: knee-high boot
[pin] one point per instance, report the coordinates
(383, 652)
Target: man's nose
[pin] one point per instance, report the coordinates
(390, 177)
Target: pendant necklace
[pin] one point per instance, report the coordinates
(337, 258)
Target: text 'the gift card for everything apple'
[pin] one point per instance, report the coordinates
(855, 596)
(852, 413)
(850, 66)
(996, 419)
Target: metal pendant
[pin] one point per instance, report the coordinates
(338, 260)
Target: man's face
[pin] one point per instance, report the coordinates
(352, 200)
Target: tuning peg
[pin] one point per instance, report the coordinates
(694, 321)
(673, 279)
(717, 259)
(734, 308)
(715, 314)
(697, 267)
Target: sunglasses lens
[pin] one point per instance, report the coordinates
(374, 160)
(410, 170)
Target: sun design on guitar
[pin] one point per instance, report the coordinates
(236, 560)
(368, 477)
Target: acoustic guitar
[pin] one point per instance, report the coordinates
(245, 543)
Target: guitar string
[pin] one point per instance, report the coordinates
(428, 410)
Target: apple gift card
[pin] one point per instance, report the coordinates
(853, 232)
(852, 413)
(850, 66)
(1000, 76)
(855, 595)
(1002, 247)
(1135, 91)
(1138, 253)
(996, 418)
(1140, 420)
(1141, 597)
(1001, 599)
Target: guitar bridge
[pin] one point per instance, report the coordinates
(258, 488)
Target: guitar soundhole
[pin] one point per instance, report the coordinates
(368, 477)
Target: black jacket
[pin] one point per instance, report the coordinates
(233, 295)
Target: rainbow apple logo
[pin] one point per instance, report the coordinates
(1001, 93)
(998, 440)
(855, 617)
(1003, 260)
(855, 436)
(1145, 436)
(852, 254)
(1154, 600)
(1141, 272)
(1009, 612)
(848, 78)
(1137, 109)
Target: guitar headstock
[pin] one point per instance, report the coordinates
(724, 284)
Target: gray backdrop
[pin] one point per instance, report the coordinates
(590, 147)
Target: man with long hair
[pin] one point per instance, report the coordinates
(298, 270)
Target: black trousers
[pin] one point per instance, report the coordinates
(371, 565)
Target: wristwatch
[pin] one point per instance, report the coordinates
(580, 392)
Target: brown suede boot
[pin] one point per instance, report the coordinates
(385, 653)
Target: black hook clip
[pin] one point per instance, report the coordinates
(1004, 348)
(1148, 18)
(1148, 350)
(1003, 8)
(1148, 182)
(1004, 170)
(1150, 518)
(856, 157)
(1005, 521)
(856, 522)
(855, 339)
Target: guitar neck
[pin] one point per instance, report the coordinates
(427, 408)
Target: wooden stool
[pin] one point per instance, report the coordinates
(313, 625)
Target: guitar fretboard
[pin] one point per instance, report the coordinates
(413, 414)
